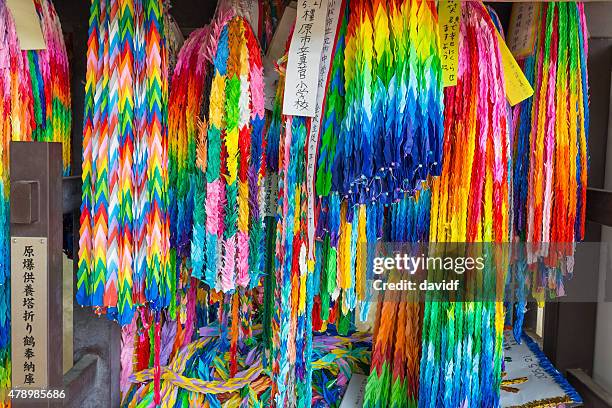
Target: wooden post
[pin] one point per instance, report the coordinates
(36, 271)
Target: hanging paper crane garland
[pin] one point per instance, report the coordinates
(124, 242)
(470, 203)
(552, 127)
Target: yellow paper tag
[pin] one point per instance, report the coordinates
(449, 18)
(517, 86)
(523, 29)
(27, 24)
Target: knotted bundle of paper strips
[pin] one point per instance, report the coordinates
(199, 375)
(462, 341)
(34, 106)
(550, 154)
(124, 242)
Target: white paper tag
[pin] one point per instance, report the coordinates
(353, 397)
(27, 24)
(331, 26)
(305, 58)
(275, 51)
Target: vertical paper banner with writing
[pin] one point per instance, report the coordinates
(449, 19)
(250, 9)
(523, 29)
(334, 9)
(269, 195)
(301, 83)
(275, 51)
(29, 312)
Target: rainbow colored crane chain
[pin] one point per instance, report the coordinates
(124, 242)
(391, 50)
(187, 157)
(234, 226)
(552, 127)
(390, 136)
(462, 342)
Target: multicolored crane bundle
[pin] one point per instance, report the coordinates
(230, 256)
(392, 128)
(186, 145)
(185, 102)
(189, 107)
(219, 229)
(51, 89)
(292, 343)
(199, 109)
(550, 153)
(553, 126)
(396, 344)
(124, 242)
(34, 106)
(327, 185)
(41, 83)
(462, 341)
(381, 136)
